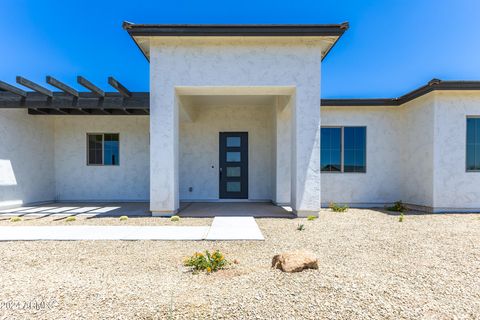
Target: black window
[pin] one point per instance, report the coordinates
(473, 144)
(343, 149)
(103, 149)
(331, 149)
(354, 149)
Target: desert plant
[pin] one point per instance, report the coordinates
(300, 227)
(397, 207)
(206, 261)
(400, 219)
(123, 218)
(15, 219)
(311, 218)
(174, 218)
(338, 208)
(71, 219)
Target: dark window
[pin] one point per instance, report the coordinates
(95, 149)
(331, 149)
(473, 144)
(343, 149)
(103, 149)
(354, 149)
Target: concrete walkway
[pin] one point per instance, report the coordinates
(234, 228)
(222, 228)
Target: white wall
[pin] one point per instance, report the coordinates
(415, 152)
(76, 181)
(199, 150)
(453, 186)
(400, 149)
(26, 158)
(382, 183)
(282, 145)
(236, 62)
(417, 127)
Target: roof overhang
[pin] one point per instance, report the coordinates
(432, 85)
(139, 32)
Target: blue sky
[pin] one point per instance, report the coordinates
(391, 47)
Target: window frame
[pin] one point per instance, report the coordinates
(466, 142)
(103, 149)
(342, 149)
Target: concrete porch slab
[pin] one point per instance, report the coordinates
(233, 209)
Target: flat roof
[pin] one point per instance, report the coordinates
(234, 30)
(432, 85)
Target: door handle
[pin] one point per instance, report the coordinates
(221, 173)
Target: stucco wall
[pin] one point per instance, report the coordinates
(241, 63)
(382, 183)
(453, 186)
(416, 155)
(77, 181)
(415, 152)
(199, 150)
(26, 158)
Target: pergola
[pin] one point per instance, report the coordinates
(68, 101)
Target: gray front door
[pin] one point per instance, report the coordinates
(233, 165)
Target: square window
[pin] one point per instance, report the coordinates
(103, 149)
(347, 141)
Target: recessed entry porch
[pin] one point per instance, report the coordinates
(227, 147)
(229, 144)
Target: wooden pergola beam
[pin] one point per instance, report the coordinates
(90, 86)
(62, 86)
(120, 88)
(35, 87)
(12, 89)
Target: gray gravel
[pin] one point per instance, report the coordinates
(371, 267)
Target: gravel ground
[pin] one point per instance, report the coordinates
(371, 267)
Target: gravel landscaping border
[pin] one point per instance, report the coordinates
(370, 267)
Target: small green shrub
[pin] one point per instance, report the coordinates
(311, 218)
(400, 219)
(397, 207)
(300, 227)
(206, 261)
(15, 219)
(338, 208)
(71, 219)
(123, 218)
(175, 218)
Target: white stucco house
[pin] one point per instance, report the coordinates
(234, 113)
